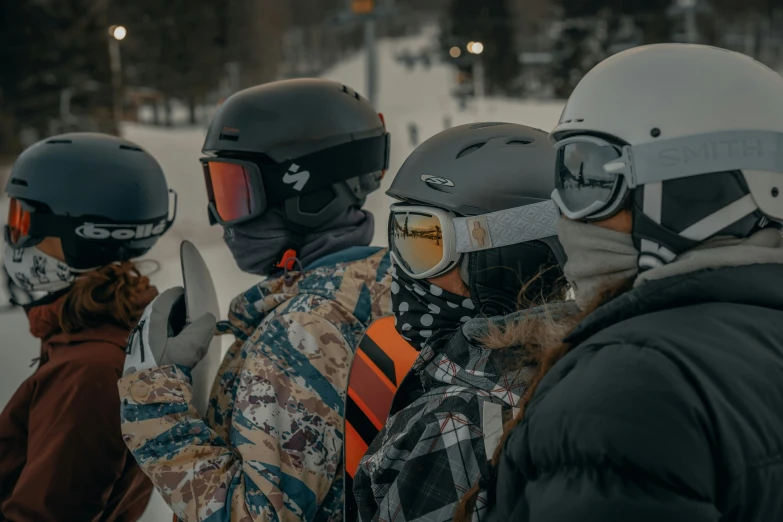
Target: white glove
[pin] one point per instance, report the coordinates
(164, 337)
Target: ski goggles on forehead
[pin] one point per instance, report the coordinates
(426, 242)
(593, 175)
(240, 189)
(26, 228)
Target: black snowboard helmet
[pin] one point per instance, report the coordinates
(313, 147)
(104, 197)
(482, 168)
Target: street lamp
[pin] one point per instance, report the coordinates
(478, 68)
(116, 33)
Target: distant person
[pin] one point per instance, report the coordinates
(82, 207)
(289, 166)
(413, 134)
(664, 401)
(482, 242)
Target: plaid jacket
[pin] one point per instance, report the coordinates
(271, 445)
(438, 446)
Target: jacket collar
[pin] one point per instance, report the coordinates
(476, 329)
(756, 285)
(44, 321)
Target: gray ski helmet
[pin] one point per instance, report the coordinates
(482, 168)
(311, 125)
(104, 197)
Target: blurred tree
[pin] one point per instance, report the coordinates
(195, 50)
(53, 52)
(764, 7)
(754, 27)
(592, 30)
(176, 47)
(487, 22)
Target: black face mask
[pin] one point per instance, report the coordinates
(424, 312)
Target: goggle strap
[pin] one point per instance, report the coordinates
(45, 225)
(506, 227)
(324, 168)
(688, 156)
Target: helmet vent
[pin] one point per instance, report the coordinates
(19, 182)
(130, 147)
(54, 142)
(520, 142)
(471, 149)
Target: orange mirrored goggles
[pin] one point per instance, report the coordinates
(234, 189)
(17, 228)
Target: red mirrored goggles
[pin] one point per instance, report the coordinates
(17, 228)
(234, 188)
(241, 189)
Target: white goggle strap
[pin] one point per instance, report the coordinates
(651, 253)
(506, 227)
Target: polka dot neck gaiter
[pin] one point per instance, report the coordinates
(424, 312)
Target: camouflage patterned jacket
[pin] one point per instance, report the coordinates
(271, 447)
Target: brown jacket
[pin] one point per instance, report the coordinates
(62, 457)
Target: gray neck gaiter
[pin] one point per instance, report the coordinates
(597, 257)
(258, 244)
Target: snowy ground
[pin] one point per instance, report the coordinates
(418, 96)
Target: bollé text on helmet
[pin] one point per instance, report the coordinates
(717, 150)
(121, 232)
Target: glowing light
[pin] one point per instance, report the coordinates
(118, 32)
(455, 52)
(476, 47)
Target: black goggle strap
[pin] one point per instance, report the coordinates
(324, 168)
(52, 225)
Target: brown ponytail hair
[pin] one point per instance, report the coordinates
(552, 349)
(116, 294)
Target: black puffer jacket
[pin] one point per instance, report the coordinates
(670, 408)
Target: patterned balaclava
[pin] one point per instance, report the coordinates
(424, 312)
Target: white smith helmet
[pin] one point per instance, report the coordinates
(697, 131)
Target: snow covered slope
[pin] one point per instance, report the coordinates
(417, 96)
